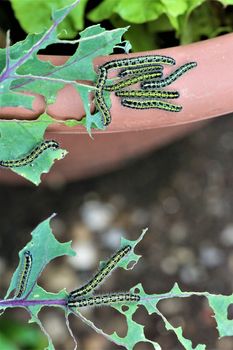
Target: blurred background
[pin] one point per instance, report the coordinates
(182, 193)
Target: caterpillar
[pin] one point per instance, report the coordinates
(138, 62)
(146, 104)
(148, 93)
(29, 158)
(131, 81)
(108, 299)
(24, 275)
(143, 69)
(102, 76)
(102, 107)
(99, 99)
(101, 275)
(170, 79)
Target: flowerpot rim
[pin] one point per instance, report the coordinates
(205, 91)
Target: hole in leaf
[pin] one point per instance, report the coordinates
(54, 322)
(148, 321)
(136, 291)
(194, 316)
(230, 312)
(224, 343)
(131, 264)
(110, 320)
(125, 308)
(143, 346)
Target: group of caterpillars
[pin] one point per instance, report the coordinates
(146, 70)
(83, 296)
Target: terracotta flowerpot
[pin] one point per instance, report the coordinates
(206, 92)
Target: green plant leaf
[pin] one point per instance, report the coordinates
(43, 247)
(200, 22)
(25, 11)
(226, 2)
(6, 343)
(18, 138)
(220, 305)
(17, 333)
(140, 11)
(22, 71)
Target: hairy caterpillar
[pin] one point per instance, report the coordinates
(127, 82)
(146, 104)
(138, 62)
(143, 69)
(107, 299)
(170, 79)
(100, 276)
(148, 93)
(29, 158)
(24, 274)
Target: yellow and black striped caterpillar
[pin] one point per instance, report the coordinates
(137, 71)
(147, 70)
(29, 158)
(99, 98)
(147, 104)
(80, 297)
(24, 274)
(151, 84)
(131, 81)
(139, 62)
(101, 275)
(148, 93)
(151, 63)
(108, 299)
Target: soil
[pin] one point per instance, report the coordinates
(183, 193)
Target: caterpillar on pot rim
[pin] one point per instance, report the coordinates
(131, 81)
(142, 69)
(99, 98)
(148, 104)
(150, 84)
(138, 62)
(148, 93)
(30, 157)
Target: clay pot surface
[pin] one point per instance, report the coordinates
(205, 92)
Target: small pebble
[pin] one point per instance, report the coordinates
(184, 255)
(112, 238)
(178, 232)
(190, 274)
(86, 257)
(226, 236)
(171, 205)
(96, 215)
(169, 265)
(140, 217)
(211, 256)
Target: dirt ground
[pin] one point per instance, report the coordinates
(183, 193)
